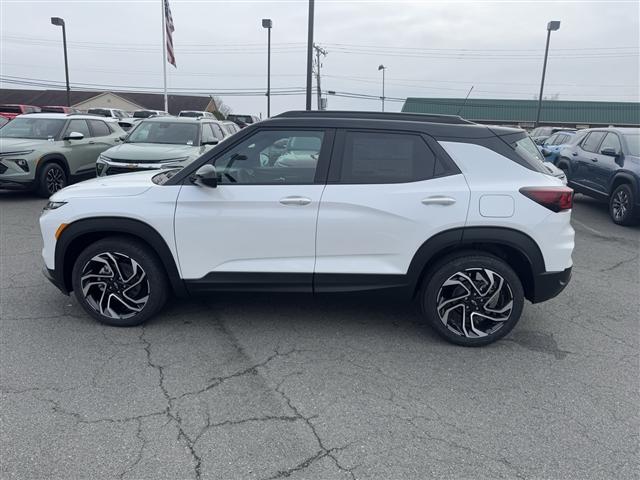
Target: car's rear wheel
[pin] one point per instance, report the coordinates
(472, 298)
(119, 282)
(622, 205)
(51, 178)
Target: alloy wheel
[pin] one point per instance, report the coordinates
(620, 205)
(54, 179)
(115, 285)
(475, 302)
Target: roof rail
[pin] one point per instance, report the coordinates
(412, 117)
(70, 114)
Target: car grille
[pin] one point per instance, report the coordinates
(116, 170)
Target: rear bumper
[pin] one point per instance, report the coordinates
(549, 284)
(53, 278)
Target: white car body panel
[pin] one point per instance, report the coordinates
(378, 228)
(245, 228)
(489, 173)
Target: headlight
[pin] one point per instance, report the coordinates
(11, 154)
(104, 158)
(53, 205)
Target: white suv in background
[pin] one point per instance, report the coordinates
(464, 218)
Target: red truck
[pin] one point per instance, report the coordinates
(12, 111)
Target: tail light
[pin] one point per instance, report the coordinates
(555, 199)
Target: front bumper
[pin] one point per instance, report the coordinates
(111, 167)
(549, 284)
(53, 278)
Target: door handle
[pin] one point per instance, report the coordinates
(295, 200)
(575, 154)
(594, 159)
(438, 200)
(91, 142)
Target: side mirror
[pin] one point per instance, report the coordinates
(546, 152)
(205, 175)
(122, 138)
(610, 151)
(74, 136)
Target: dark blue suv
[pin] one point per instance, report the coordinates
(605, 163)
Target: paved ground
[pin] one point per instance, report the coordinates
(248, 386)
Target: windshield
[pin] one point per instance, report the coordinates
(10, 109)
(36, 128)
(100, 111)
(191, 114)
(165, 132)
(143, 114)
(633, 143)
(241, 118)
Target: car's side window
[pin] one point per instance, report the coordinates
(99, 128)
(372, 157)
(217, 131)
(551, 140)
(271, 157)
(590, 144)
(78, 125)
(207, 134)
(611, 141)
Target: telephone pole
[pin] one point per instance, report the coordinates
(319, 51)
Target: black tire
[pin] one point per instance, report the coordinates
(51, 178)
(126, 299)
(622, 205)
(482, 268)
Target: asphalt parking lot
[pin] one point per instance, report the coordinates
(273, 386)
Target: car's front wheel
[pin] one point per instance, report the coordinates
(51, 178)
(622, 205)
(472, 298)
(119, 282)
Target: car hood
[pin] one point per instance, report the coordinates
(20, 144)
(150, 152)
(126, 185)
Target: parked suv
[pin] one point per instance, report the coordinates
(161, 142)
(605, 163)
(459, 216)
(48, 151)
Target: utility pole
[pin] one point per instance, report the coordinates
(323, 52)
(309, 53)
(551, 27)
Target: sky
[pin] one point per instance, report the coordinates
(429, 49)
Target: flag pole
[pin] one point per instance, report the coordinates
(164, 55)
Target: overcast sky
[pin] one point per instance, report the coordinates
(430, 48)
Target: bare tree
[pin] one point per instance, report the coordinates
(219, 108)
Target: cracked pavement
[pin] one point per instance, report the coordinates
(268, 386)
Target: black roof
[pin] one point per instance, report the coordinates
(414, 117)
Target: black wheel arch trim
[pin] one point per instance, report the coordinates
(106, 226)
(56, 158)
(628, 178)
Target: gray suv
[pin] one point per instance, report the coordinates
(47, 151)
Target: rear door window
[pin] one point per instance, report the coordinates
(590, 144)
(377, 158)
(99, 128)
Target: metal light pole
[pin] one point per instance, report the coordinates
(383, 68)
(551, 27)
(60, 23)
(266, 23)
(309, 53)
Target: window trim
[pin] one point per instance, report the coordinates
(440, 156)
(583, 141)
(599, 152)
(322, 167)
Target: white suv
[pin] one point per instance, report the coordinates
(462, 217)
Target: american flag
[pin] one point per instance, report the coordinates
(168, 25)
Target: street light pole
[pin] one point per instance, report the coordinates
(551, 26)
(60, 22)
(383, 68)
(267, 23)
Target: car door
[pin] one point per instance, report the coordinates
(81, 154)
(387, 193)
(605, 166)
(258, 226)
(583, 156)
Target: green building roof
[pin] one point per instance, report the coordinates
(524, 111)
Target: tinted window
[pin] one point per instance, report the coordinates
(611, 141)
(265, 158)
(633, 144)
(385, 158)
(99, 128)
(10, 108)
(79, 126)
(590, 144)
(100, 111)
(527, 150)
(551, 140)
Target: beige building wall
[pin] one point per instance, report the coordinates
(108, 100)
